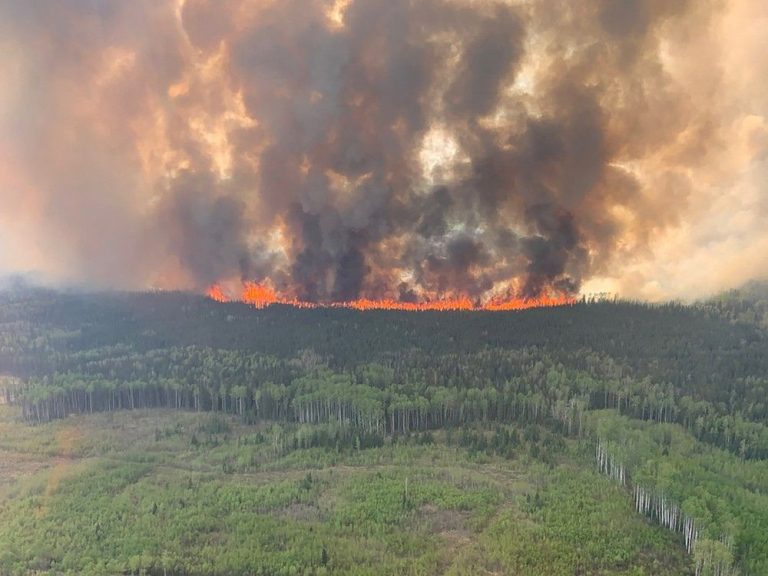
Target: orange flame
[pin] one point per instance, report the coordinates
(216, 293)
(388, 304)
(541, 301)
(261, 296)
(258, 295)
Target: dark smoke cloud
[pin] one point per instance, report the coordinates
(184, 143)
(209, 231)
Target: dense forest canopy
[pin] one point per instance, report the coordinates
(746, 304)
(698, 372)
(689, 352)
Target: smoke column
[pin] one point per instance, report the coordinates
(386, 148)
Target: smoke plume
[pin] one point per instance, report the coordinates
(386, 148)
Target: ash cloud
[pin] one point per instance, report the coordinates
(409, 150)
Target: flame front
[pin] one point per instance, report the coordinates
(262, 295)
(258, 295)
(216, 293)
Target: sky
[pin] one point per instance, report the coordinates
(335, 150)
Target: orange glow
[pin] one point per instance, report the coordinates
(261, 296)
(387, 304)
(216, 293)
(258, 295)
(542, 301)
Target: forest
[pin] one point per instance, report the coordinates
(651, 415)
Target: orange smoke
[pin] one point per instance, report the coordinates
(261, 296)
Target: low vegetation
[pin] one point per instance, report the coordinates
(161, 492)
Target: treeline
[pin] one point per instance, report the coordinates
(748, 304)
(319, 397)
(713, 499)
(694, 349)
(529, 387)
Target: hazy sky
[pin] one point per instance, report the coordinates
(385, 147)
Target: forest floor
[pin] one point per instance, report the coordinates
(175, 492)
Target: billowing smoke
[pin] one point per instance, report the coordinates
(386, 148)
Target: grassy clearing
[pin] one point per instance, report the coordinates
(167, 492)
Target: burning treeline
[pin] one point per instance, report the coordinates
(349, 151)
(261, 296)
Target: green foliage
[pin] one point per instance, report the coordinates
(259, 406)
(382, 501)
(575, 524)
(726, 495)
(132, 504)
(394, 372)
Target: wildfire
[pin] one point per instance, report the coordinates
(261, 296)
(258, 295)
(448, 304)
(216, 293)
(542, 301)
